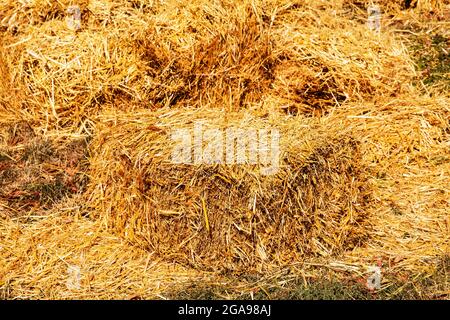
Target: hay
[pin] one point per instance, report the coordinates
(67, 77)
(11, 90)
(228, 216)
(323, 70)
(392, 7)
(360, 108)
(281, 52)
(406, 145)
(61, 255)
(220, 54)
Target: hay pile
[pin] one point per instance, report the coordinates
(220, 215)
(11, 90)
(241, 54)
(38, 257)
(68, 75)
(199, 53)
(392, 7)
(406, 145)
(364, 164)
(419, 5)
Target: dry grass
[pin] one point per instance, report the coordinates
(37, 171)
(225, 54)
(409, 155)
(365, 147)
(45, 252)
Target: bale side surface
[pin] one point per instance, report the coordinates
(229, 215)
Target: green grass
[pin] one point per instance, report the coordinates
(411, 287)
(49, 192)
(431, 53)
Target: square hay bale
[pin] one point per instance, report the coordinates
(65, 74)
(215, 210)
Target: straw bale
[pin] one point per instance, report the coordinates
(201, 53)
(226, 216)
(238, 54)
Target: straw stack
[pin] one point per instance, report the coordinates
(364, 164)
(221, 54)
(235, 55)
(228, 216)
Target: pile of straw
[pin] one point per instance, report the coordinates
(220, 54)
(61, 255)
(364, 164)
(419, 5)
(220, 215)
(396, 6)
(11, 90)
(238, 55)
(406, 145)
